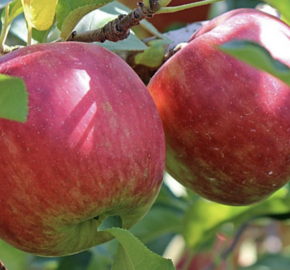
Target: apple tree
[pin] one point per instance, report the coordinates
(132, 142)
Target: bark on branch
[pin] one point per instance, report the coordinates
(119, 28)
(2, 267)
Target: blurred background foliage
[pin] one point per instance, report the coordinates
(193, 232)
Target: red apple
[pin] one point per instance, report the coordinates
(93, 146)
(227, 125)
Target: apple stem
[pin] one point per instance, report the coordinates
(29, 35)
(163, 10)
(119, 28)
(2, 266)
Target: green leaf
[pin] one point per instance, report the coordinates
(111, 222)
(153, 55)
(269, 262)
(13, 258)
(134, 255)
(39, 14)
(15, 8)
(9, 13)
(204, 218)
(164, 217)
(78, 261)
(13, 98)
(158, 221)
(103, 255)
(70, 12)
(41, 36)
(283, 6)
(258, 57)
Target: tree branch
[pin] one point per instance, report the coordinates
(119, 28)
(2, 267)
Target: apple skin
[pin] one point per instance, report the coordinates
(93, 146)
(227, 125)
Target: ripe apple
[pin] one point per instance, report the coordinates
(227, 125)
(93, 146)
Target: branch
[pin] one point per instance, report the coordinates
(2, 267)
(119, 28)
(7, 49)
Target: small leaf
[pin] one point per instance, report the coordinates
(103, 255)
(134, 255)
(153, 55)
(41, 36)
(70, 12)
(258, 57)
(13, 98)
(78, 261)
(15, 8)
(111, 222)
(269, 262)
(164, 217)
(39, 14)
(131, 43)
(13, 258)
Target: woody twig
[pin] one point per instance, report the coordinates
(2, 266)
(119, 28)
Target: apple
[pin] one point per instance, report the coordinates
(93, 146)
(227, 124)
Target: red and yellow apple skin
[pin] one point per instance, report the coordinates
(227, 124)
(93, 146)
